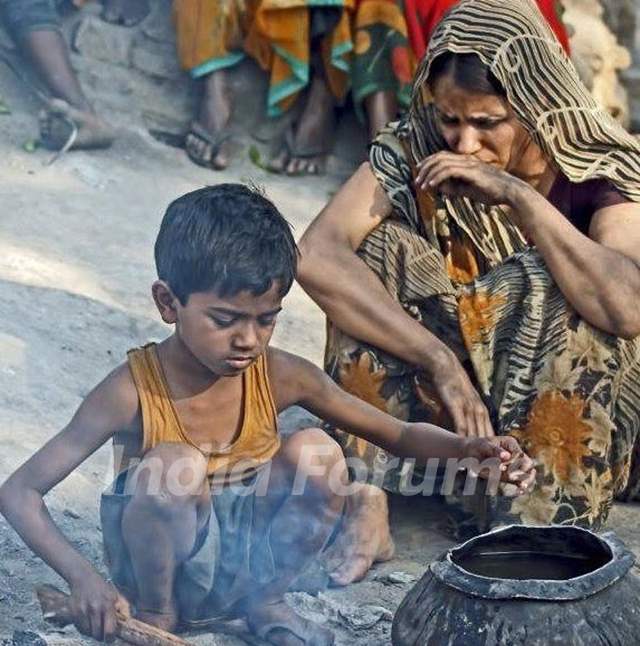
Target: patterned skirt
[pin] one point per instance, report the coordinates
(567, 391)
(363, 45)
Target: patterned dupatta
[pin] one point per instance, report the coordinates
(542, 86)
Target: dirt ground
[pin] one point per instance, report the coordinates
(75, 272)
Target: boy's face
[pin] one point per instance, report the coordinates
(226, 335)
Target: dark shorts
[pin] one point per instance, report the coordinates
(228, 561)
(19, 17)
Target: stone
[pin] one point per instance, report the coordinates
(396, 578)
(27, 638)
(622, 18)
(598, 56)
(158, 60)
(364, 617)
(96, 39)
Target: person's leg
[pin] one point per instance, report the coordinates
(34, 25)
(304, 502)
(125, 12)
(48, 53)
(381, 108)
(213, 117)
(312, 132)
(170, 503)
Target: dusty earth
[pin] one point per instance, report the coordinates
(75, 271)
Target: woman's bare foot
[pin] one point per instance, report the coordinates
(125, 12)
(306, 151)
(365, 538)
(59, 118)
(279, 624)
(206, 144)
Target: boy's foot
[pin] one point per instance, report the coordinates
(206, 143)
(364, 539)
(306, 147)
(125, 12)
(57, 122)
(279, 624)
(164, 620)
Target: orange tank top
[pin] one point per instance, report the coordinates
(257, 442)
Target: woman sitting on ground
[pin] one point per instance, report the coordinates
(483, 271)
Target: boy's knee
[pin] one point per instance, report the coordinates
(318, 461)
(169, 474)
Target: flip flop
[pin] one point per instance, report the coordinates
(292, 150)
(214, 142)
(67, 121)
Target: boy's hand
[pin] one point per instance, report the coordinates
(94, 604)
(517, 469)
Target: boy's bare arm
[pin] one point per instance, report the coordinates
(297, 381)
(111, 407)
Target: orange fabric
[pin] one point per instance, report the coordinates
(257, 442)
(208, 30)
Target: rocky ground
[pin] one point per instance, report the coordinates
(75, 271)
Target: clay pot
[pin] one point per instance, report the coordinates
(522, 585)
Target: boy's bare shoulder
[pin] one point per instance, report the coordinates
(291, 377)
(114, 401)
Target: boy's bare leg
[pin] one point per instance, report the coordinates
(364, 539)
(381, 108)
(213, 118)
(300, 525)
(49, 55)
(170, 504)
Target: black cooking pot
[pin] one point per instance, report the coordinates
(530, 586)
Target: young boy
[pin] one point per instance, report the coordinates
(188, 534)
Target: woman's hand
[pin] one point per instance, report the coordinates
(464, 176)
(460, 399)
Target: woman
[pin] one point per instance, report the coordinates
(508, 303)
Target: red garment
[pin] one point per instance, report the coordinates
(423, 15)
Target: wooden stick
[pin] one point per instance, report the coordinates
(56, 609)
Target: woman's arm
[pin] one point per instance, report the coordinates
(598, 275)
(355, 299)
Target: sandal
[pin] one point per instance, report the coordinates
(61, 125)
(213, 143)
(292, 151)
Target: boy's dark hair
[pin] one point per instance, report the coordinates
(469, 73)
(226, 238)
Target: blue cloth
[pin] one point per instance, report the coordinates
(20, 17)
(229, 559)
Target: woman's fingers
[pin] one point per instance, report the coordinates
(428, 176)
(459, 420)
(483, 423)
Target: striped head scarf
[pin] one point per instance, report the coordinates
(542, 86)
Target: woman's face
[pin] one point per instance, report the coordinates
(480, 125)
